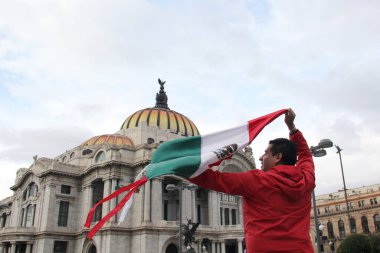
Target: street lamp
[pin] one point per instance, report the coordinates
(319, 151)
(344, 186)
(180, 187)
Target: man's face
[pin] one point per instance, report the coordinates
(268, 160)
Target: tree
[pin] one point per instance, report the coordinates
(374, 241)
(357, 243)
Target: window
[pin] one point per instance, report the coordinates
(342, 232)
(327, 210)
(337, 208)
(373, 201)
(221, 216)
(227, 216)
(165, 210)
(361, 203)
(376, 219)
(60, 246)
(319, 212)
(201, 202)
(86, 152)
(170, 201)
(150, 140)
(353, 225)
(64, 159)
(101, 156)
(30, 191)
(63, 213)
(3, 220)
(97, 195)
(233, 216)
(365, 225)
(29, 219)
(72, 155)
(65, 189)
(33, 190)
(22, 220)
(24, 194)
(330, 230)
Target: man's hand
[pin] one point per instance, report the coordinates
(289, 119)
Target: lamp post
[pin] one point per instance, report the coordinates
(339, 150)
(180, 187)
(319, 151)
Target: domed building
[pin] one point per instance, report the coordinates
(51, 200)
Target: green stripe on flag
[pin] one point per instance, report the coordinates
(181, 157)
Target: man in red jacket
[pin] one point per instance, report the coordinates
(277, 198)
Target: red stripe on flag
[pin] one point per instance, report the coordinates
(132, 187)
(256, 125)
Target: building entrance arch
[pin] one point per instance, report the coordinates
(89, 247)
(92, 249)
(172, 248)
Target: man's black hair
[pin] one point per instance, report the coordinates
(287, 148)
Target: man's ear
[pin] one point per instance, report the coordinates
(278, 158)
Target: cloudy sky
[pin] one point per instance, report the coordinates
(70, 70)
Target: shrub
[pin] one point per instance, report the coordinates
(357, 243)
(374, 241)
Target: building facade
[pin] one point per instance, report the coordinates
(364, 212)
(52, 197)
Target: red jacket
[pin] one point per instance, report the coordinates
(276, 203)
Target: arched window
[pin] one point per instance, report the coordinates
(64, 159)
(32, 190)
(101, 156)
(376, 220)
(150, 141)
(365, 225)
(342, 232)
(353, 225)
(72, 155)
(330, 230)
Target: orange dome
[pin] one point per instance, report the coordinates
(161, 116)
(113, 139)
(164, 118)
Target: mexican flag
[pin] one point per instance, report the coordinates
(189, 157)
(185, 157)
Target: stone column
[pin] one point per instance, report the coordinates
(106, 192)
(213, 247)
(239, 211)
(240, 246)
(157, 203)
(29, 247)
(194, 213)
(222, 247)
(87, 201)
(212, 200)
(147, 201)
(13, 247)
(113, 201)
